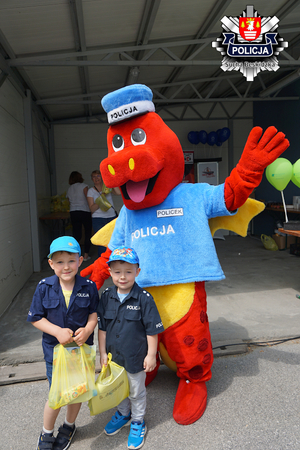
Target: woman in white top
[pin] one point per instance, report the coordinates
(99, 216)
(79, 211)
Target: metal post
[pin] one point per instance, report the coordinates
(230, 147)
(52, 161)
(31, 182)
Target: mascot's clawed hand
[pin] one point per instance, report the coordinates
(162, 218)
(257, 155)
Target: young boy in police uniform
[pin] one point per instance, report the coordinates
(63, 307)
(129, 323)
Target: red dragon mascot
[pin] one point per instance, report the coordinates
(170, 225)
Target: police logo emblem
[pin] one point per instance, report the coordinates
(250, 43)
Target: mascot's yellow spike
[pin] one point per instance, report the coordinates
(102, 237)
(238, 223)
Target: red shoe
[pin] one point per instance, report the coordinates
(190, 401)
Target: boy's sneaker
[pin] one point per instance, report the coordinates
(64, 437)
(45, 441)
(116, 423)
(137, 434)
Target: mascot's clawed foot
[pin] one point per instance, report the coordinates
(190, 401)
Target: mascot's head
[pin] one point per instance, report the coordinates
(145, 158)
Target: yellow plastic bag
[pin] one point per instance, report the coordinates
(103, 203)
(60, 203)
(73, 377)
(268, 242)
(112, 388)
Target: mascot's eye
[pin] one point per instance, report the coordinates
(118, 143)
(138, 136)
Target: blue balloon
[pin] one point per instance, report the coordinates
(193, 137)
(202, 136)
(219, 144)
(212, 138)
(223, 134)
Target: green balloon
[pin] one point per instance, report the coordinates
(296, 173)
(279, 173)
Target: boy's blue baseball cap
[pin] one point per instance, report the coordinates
(64, 244)
(124, 254)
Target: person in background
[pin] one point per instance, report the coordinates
(101, 204)
(79, 211)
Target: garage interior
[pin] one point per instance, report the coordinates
(59, 58)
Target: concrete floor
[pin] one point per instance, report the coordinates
(253, 398)
(256, 301)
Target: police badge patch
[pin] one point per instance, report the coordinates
(250, 43)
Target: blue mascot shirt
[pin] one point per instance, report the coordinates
(173, 239)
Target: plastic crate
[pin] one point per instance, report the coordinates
(295, 249)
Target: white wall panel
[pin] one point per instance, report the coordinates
(13, 169)
(78, 147)
(16, 254)
(15, 238)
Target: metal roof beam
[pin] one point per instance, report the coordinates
(190, 100)
(31, 60)
(180, 63)
(286, 8)
(146, 25)
(83, 98)
(80, 45)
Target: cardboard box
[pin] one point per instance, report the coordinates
(280, 241)
(283, 242)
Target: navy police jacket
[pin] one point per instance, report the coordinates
(49, 302)
(127, 325)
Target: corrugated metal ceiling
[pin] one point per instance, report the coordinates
(69, 53)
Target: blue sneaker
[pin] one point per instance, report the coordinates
(137, 434)
(116, 423)
(45, 441)
(64, 437)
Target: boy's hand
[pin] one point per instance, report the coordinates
(64, 336)
(80, 336)
(98, 272)
(149, 363)
(103, 360)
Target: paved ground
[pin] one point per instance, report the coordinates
(253, 397)
(254, 404)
